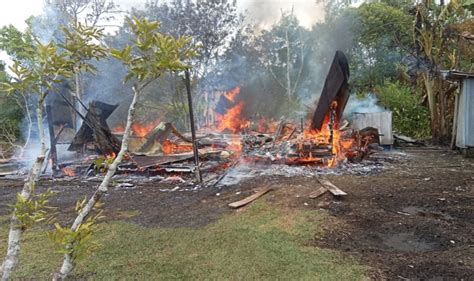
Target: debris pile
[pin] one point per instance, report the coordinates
(235, 147)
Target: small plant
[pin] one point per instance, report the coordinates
(102, 163)
(78, 243)
(34, 209)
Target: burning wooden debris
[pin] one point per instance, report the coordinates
(95, 131)
(159, 149)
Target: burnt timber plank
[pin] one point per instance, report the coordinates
(331, 187)
(249, 199)
(144, 161)
(318, 192)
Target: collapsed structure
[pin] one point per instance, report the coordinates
(323, 140)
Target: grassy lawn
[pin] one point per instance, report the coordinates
(260, 242)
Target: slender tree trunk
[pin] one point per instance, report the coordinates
(430, 92)
(30, 126)
(16, 230)
(77, 99)
(288, 66)
(68, 261)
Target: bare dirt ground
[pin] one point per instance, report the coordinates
(413, 220)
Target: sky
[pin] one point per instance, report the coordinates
(17, 11)
(264, 12)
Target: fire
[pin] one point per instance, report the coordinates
(118, 129)
(232, 94)
(264, 125)
(111, 155)
(139, 129)
(69, 171)
(232, 119)
(330, 136)
(170, 147)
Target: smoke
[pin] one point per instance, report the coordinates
(367, 104)
(267, 12)
(46, 27)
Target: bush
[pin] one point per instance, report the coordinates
(410, 117)
(11, 113)
(11, 116)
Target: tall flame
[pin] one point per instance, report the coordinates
(232, 120)
(338, 145)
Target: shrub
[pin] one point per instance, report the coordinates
(410, 117)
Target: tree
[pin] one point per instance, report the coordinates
(40, 71)
(63, 20)
(45, 67)
(211, 24)
(426, 38)
(284, 51)
(89, 12)
(150, 55)
(83, 44)
(18, 45)
(383, 39)
(438, 45)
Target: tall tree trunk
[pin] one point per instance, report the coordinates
(68, 261)
(16, 230)
(30, 126)
(288, 66)
(77, 99)
(430, 92)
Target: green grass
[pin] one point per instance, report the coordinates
(261, 242)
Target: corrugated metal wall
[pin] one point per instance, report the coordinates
(380, 120)
(465, 122)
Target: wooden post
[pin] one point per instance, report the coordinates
(52, 139)
(455, 120)
(193, 129)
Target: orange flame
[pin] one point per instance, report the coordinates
(71, 172)
(232, 94)
(338, 145)
(118, 129)
(170, 147)
(141, 130)
(138, 129)
(232, 119)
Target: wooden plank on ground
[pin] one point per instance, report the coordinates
(331, 187)
(318, 192)
(249, 199)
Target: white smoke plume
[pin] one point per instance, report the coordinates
(368, 104)
(267, 12)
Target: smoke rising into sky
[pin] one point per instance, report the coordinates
(262, 11)
(267, 12)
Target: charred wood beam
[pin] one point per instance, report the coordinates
(193, 129)
(99, 130)
(336, 89)
(95, 128)
(160, 133)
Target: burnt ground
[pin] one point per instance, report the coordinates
(413, 220)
